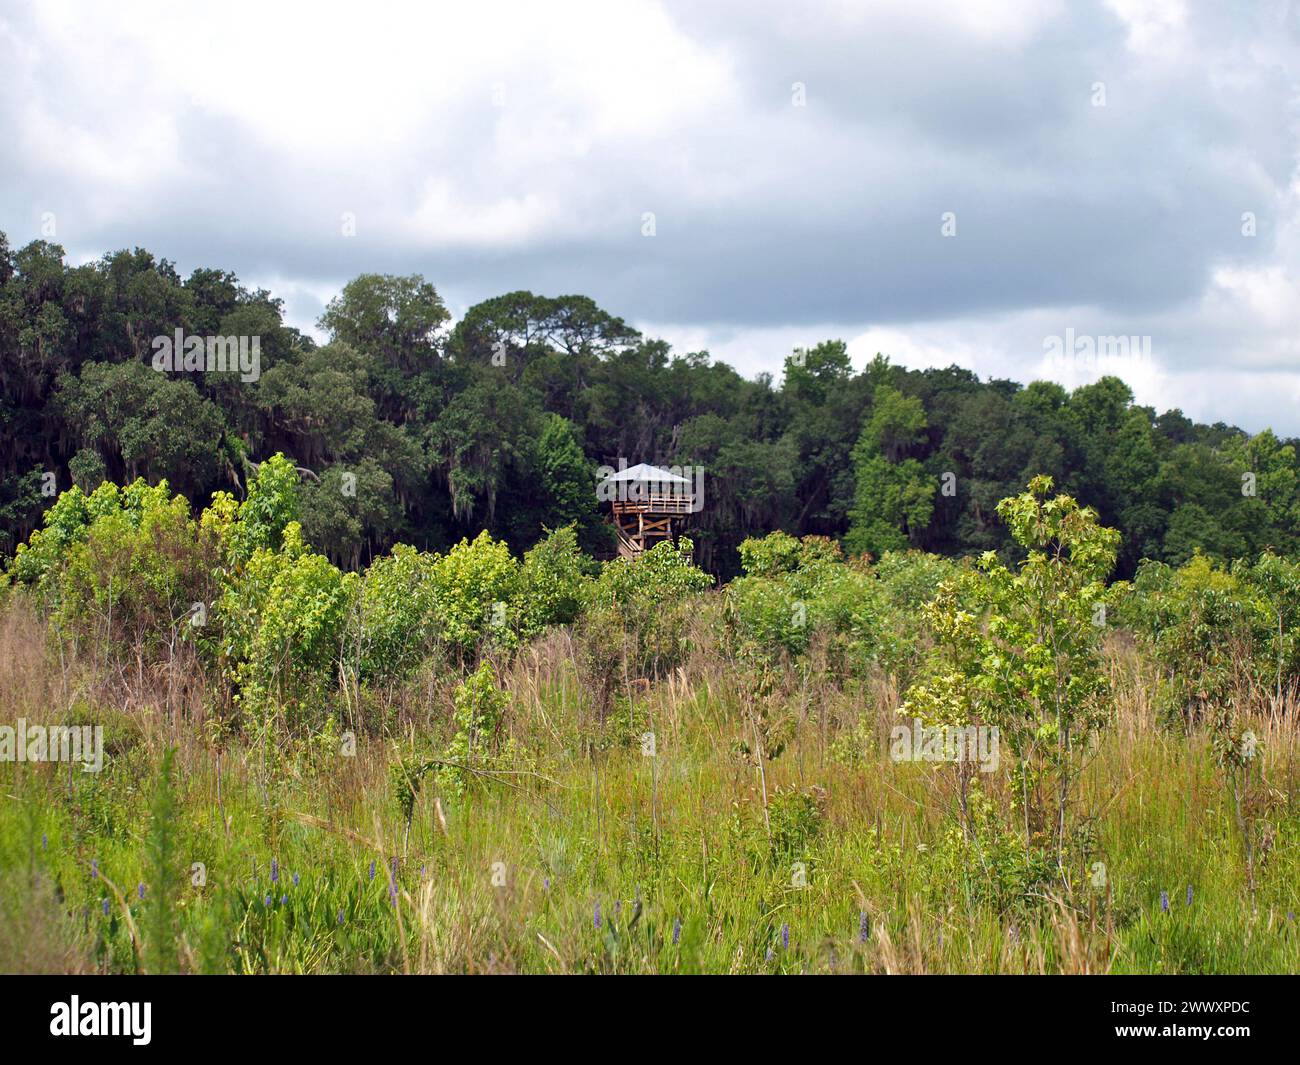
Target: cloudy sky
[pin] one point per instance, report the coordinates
(943, 182)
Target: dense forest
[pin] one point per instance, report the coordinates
(409, 428)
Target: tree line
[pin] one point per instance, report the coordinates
(407, 427)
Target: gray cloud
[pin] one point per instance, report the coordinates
(771, 220)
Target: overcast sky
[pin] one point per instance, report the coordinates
(1103, 166)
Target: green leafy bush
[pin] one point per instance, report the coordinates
(794, 589)
(121, 567)
(908, 580)
(553, 582)
(395, 624)
(649, 601)
(271, 505)
(664, 574)
(474, 586)
(68, 522)
(1219, 633)
(283, 620)
(637, 617)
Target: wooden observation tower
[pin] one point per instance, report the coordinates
(649, 505)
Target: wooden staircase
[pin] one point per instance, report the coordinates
(641, 524)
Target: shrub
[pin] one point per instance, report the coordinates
(664, 574)
(1219, 634)
(912, 578)
(795, 588)
(553, 582)
(771, 555)
(648, 602)
(474, 585)
(283, 623)
(637, 616)
(480, 708)
(122, 565)
(908, 580)
(68, 522)
(765, 619)
(271, 505)
(134, 579)
(394, 625)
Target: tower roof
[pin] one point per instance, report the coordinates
(646, 474)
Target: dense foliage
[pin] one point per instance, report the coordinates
(472, 760)
(405, 429)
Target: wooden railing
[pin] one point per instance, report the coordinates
(656, 503)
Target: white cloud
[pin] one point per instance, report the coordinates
(513, 145)
(1154, 26)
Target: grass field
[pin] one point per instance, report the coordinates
(592, 855)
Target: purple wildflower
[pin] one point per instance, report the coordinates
(1164, 902)
(94, 867)
(275, 871)
(596, 918)
(295, 879)
(340, 916)
(864, 927)
(140, 890)
(104, 905)
(284, 900)
(677, 931)
(267, 902)
(546, 884)
(1189, 894)
(45, 842)
(785, 937)
(372, 870)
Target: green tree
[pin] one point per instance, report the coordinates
(894, 497)
(566, 481)
(144, 424)
(1019, 650)
(397, 322)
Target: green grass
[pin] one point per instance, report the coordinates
(674, 850)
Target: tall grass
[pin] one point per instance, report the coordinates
(591, 856)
